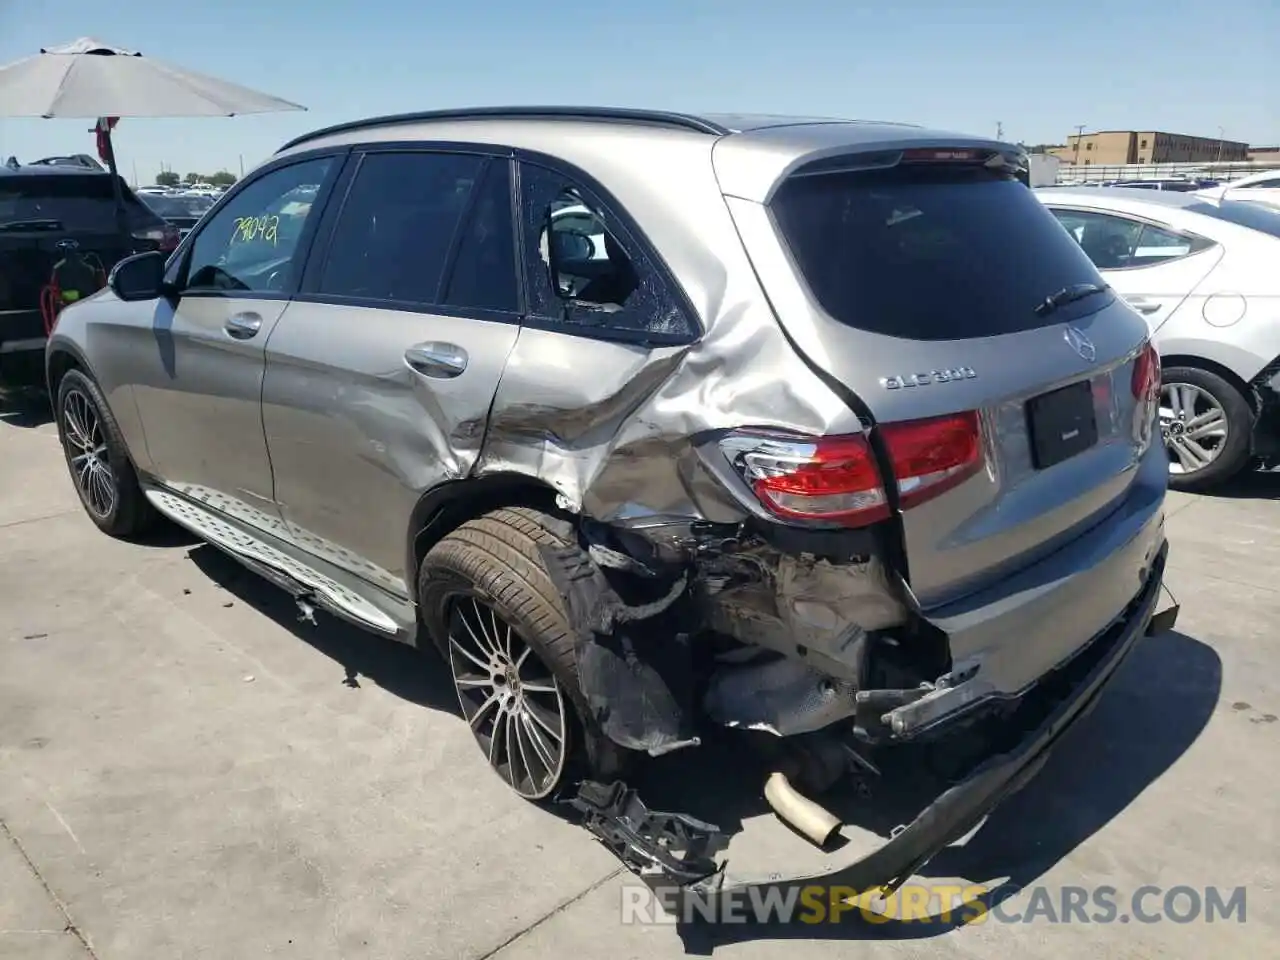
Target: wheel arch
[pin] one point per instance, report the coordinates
(61, 357)
(443, 509)
(1212, 366)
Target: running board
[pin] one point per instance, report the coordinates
(293, 575)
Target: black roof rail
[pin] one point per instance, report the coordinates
(660, 118)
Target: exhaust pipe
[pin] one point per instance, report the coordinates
(811, 820)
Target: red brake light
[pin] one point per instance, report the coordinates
(836, 479)
(944, 155)
(932, 456)
(1146, 374)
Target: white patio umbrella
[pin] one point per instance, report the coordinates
(93, 80)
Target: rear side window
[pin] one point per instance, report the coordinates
(397, 226)
(75, 202)
(1255, 216)
(1119, 243)
(935, 252)
(585, 272)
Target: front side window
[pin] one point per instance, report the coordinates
(252, 243)
(583, 270)
(392, 239)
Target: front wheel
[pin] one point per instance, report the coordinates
(1206, 425)
(98, 461)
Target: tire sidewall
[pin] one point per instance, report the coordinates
(76, 381)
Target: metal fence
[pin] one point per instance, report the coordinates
(1071, 173)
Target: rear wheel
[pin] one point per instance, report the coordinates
(1206, 425)
(491, 608)
(98, 460)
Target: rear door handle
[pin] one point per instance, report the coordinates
(441, 361)
(1141, 305)
(243, 326)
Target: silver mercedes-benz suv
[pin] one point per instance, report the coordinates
(657, 425)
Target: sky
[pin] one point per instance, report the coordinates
(1037, 69)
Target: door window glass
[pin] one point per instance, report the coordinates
(397, 226)
(1115, 243)
(583, 271)
(251, 244)
(483, 275)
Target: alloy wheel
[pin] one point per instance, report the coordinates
(86, 449)
(1193, 425)
(513, 703)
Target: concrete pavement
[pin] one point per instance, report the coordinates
(187, 771)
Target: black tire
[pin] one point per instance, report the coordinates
(1234, 454)
(129, 513)
(495, 558)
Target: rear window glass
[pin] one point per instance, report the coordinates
(76, 202)
(178, 206)
(1256, 216)
(931, 253)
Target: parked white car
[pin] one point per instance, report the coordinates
(1202, 270)
(1261, 187)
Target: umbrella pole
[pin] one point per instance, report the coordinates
(122, 220)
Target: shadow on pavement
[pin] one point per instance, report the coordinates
(418, 676)
(1250, 485)
(25, 407)
(1153, 711)
(1151, 714)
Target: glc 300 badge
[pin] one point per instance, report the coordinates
(949, 375)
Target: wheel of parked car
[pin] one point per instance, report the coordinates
(100, 467)
(491, 608)
(1206, 425)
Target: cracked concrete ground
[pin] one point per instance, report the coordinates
(186, 771)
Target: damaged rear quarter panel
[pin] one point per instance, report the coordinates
(614, 427)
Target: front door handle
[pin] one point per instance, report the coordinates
(442, 361)
(243, 326)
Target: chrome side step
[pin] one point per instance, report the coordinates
(291, 573)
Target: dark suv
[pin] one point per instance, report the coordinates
(41, 209)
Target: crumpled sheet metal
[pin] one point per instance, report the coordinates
(610, 425)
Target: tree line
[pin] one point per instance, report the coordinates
(169, 178)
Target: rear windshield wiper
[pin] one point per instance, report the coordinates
(37, 224)
(1077, 291)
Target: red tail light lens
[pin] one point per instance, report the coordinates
(835, 479)
(1146, 374)
(932, 456)
(829, 478)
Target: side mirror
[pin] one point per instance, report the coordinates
(140, 277)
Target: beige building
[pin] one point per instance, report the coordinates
(1112, 147)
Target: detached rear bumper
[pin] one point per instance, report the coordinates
(1058, 702)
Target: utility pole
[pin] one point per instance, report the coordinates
(1079, 134)
(242, 166)
(1221, 136)
(999, 130)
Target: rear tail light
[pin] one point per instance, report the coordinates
(836, 480)
(1146, 391)
(1146, 374)
(165, 238)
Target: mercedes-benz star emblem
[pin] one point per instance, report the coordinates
(1080, 343)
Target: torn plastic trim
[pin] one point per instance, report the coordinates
(957, 810)
(634, 660)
